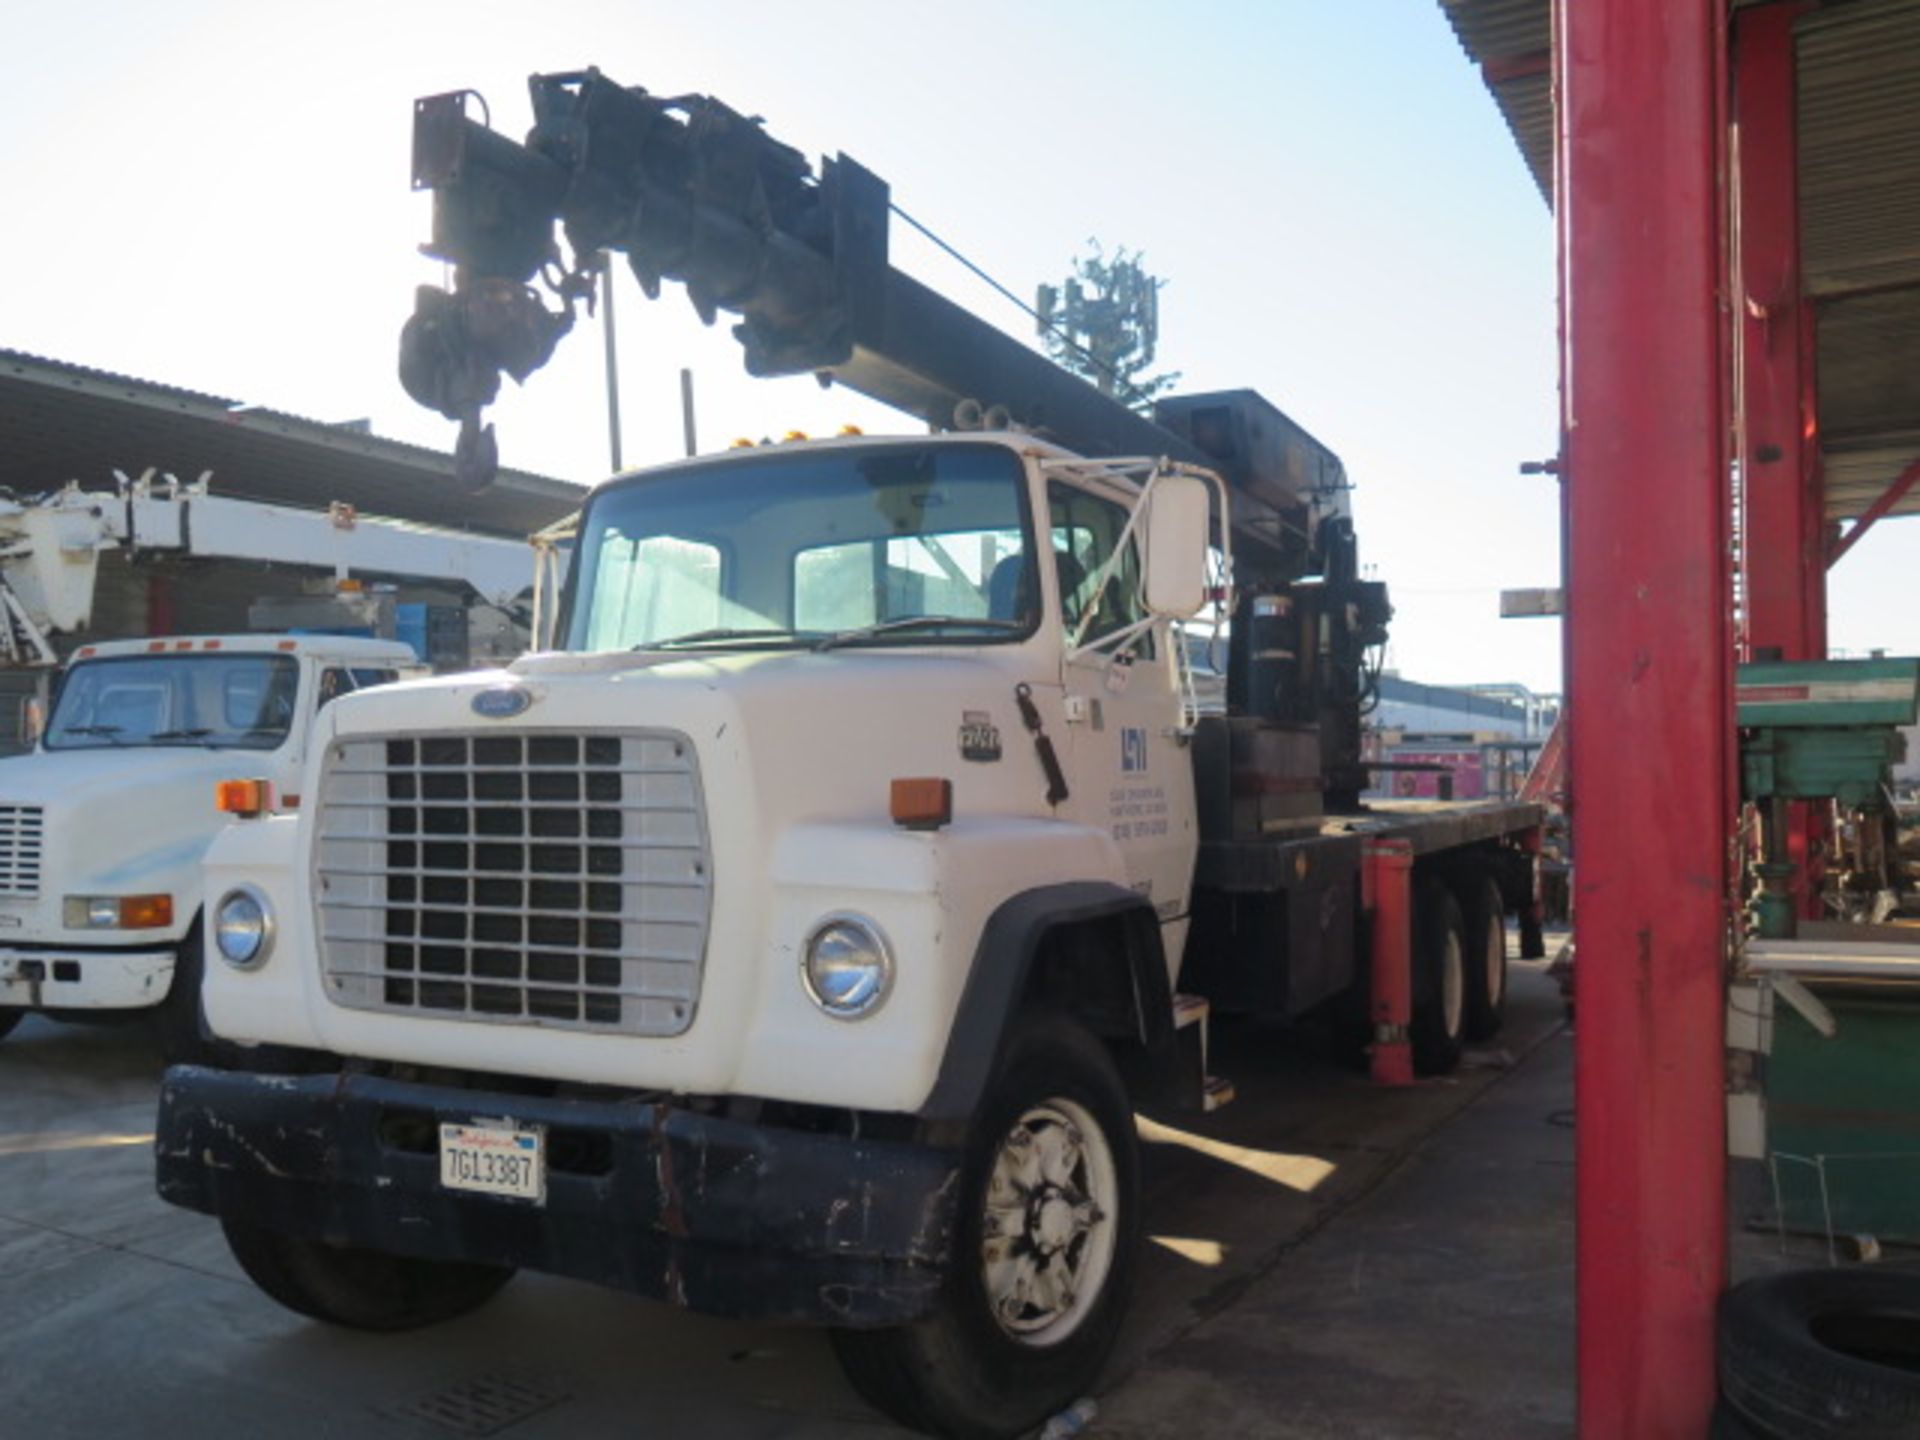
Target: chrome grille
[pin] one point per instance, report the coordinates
(21, 833)
(523, 877)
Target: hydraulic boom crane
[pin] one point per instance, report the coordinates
(690, 190)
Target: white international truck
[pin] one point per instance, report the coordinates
(797, 938)
(104, 823)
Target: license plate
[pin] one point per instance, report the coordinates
(494, 1160)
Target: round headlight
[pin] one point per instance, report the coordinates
(848, 969)
(243, 928)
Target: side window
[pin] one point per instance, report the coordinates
(334, 682)
(337, 680)
(1086, 528)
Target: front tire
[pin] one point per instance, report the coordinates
(181, 1040)
(360, 1289)
(1045, 1246)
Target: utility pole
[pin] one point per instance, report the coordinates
(613, 360)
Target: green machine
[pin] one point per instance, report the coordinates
(1821, 730)
(1843, 1095)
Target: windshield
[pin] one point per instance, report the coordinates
(922, 545)
(216, 701)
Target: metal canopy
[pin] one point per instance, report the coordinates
(1859, 89)
(61, 422)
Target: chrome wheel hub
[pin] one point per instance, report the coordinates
(1047, 1235)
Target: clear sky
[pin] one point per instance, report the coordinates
(214, 194)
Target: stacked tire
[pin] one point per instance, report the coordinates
(1810, 1354)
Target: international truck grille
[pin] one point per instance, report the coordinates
(21, 833)
(525, 878)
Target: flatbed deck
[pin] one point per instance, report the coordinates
(1279, 861)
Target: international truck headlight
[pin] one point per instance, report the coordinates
(117, 912)
(848, 969)
(243, 928)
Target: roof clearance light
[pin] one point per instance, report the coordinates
(794, 435)
(851, 430)
(743, 443)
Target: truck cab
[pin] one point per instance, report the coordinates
(104, 823)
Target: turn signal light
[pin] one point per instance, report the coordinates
(242, 797)
(146, 912)
(922, 804)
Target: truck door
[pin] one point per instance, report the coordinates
(1128, 768)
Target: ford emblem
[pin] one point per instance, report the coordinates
(502, 702)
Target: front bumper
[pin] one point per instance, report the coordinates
(717, 1215)
(84, 979)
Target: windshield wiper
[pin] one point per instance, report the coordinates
(914, 622)
(197, 733)
(723, 632)
(111, 732)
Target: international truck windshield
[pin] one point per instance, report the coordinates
(923, 545)
(216, 701)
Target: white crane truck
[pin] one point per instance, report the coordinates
(104, 822)
(798, 938)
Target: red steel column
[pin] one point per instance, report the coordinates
(1649, 659)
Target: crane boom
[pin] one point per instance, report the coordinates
(690, 190)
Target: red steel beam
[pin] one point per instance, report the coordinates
(1890, 497)
(1649, 649)
(1784, 541)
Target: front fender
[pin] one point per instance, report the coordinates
(270, 1003)
(932, 894)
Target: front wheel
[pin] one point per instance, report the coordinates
(182, 1040)
(360, 1289)
(1045, 1245)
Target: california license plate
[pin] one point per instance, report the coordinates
(494, 1160)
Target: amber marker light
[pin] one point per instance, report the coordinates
(922, 804)
(245, 798)
(146, 912)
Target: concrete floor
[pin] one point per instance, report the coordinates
(1326, 1259)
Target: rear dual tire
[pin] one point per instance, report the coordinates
(1440, 979)
(1486, 917)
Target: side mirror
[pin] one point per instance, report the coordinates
(1178, 529)
(33, 722)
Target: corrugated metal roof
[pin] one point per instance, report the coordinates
(1859, 132)
(1496, 34)
(1501, 29)
(60, 421)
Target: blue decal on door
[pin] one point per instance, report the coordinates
(1133, 749)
